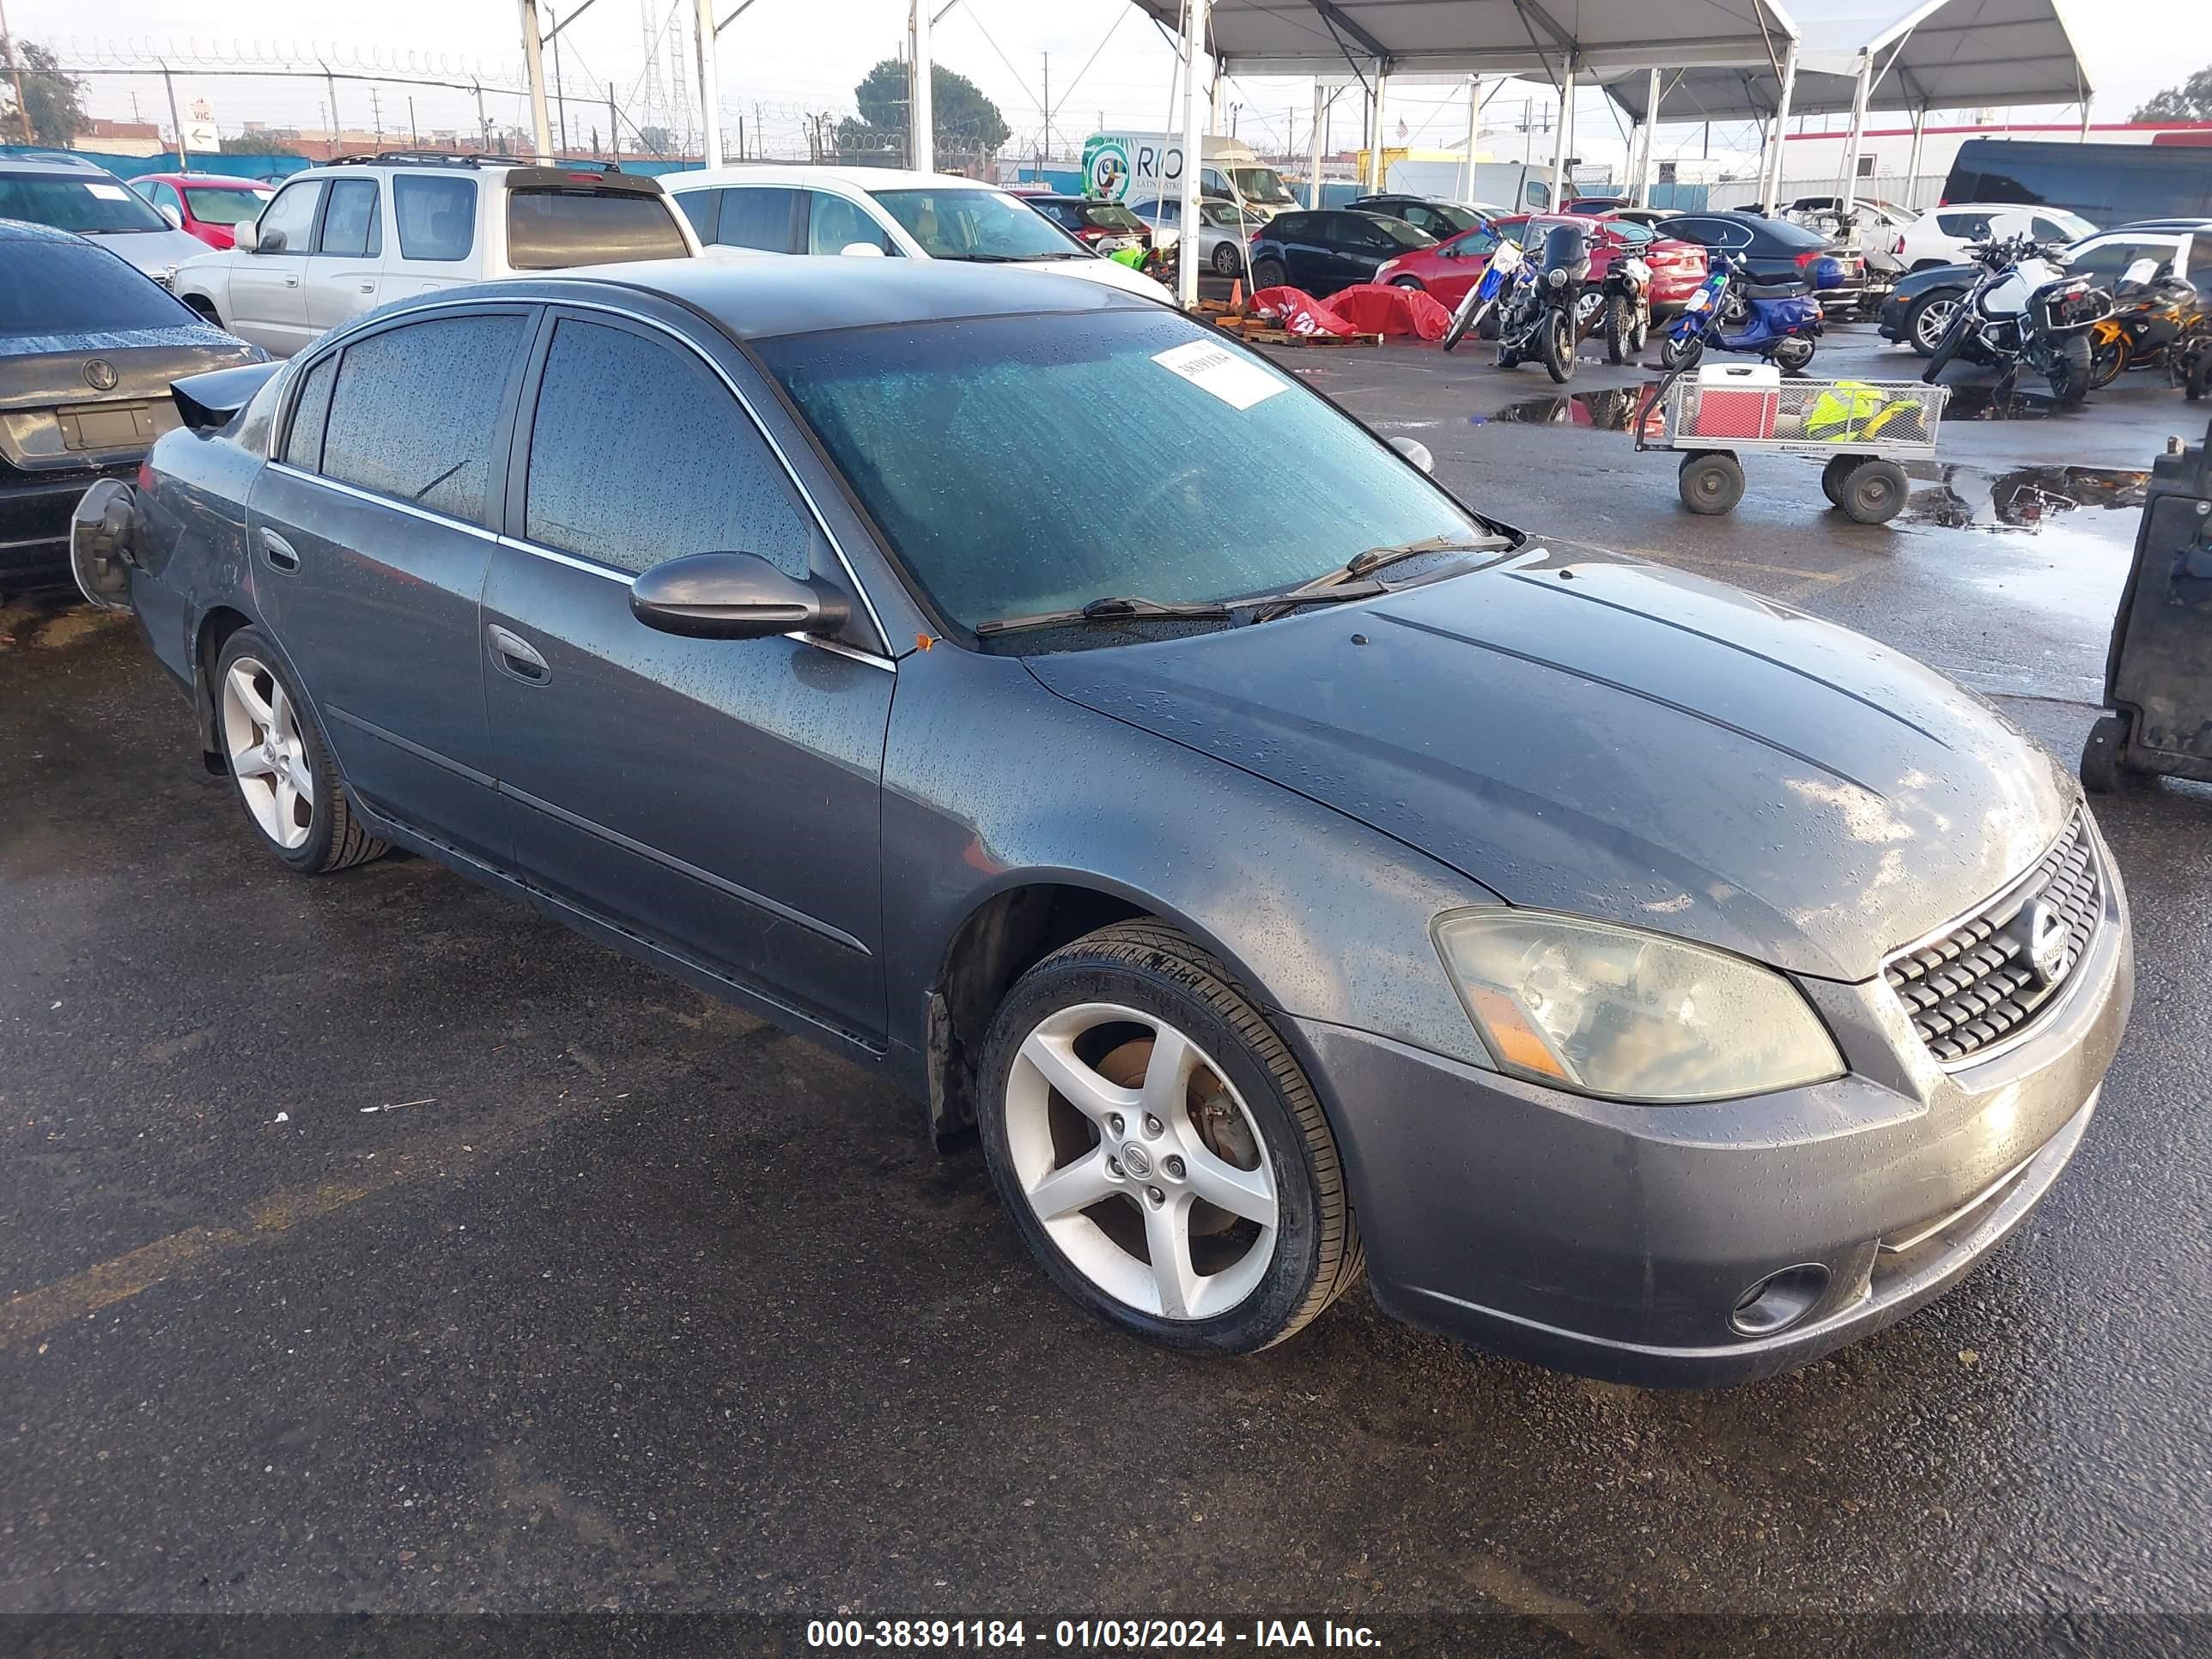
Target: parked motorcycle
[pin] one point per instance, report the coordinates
(1623, 309)
(1536, 317)
(2157, 319)
(2024, 308)
(1779, 322)
(1506, 268)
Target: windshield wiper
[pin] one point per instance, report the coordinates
(1372, 559)
(1114, 608)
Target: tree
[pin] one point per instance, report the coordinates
(56, 100)
(2190, 102)
(965, 126)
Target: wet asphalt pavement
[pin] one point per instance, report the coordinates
(371, 1243)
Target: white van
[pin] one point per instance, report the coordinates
(1141, 166)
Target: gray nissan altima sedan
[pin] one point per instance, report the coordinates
(1290, 872)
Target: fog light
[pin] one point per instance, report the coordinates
(1779, 1300)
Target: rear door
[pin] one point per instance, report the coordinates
(343, 273)
(268, 299)
(371, 532)
(435, 239)
(719, 798)
(762, 217)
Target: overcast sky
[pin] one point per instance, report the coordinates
(787, 57)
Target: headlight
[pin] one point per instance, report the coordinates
(1556, 277)
(1629, 1016)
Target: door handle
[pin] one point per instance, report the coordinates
(516, 656)
(368, 288)
(278, 551)
(291, 282)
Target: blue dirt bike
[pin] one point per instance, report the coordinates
(1778, 321)
(1508, 270)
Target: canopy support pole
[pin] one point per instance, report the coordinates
(1194, 152)
(1771, 180)
(1649, 171)
(1378, 98)
(921, 130)
(1912, 165)
(1860, 92)
(1321, 115)
(1563, 137)
(1473, 131)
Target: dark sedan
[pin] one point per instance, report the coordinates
(1322, 252)
(1291, 873)
(1778, 251)
(1441, 219)
(88, 345)
(1101, 227)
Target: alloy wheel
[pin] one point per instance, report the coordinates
(268, 756)
(1142, 1161)
(1934, 323)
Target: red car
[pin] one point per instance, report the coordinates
(209, 205)
(1451, 267)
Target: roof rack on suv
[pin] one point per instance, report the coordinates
(428, 158)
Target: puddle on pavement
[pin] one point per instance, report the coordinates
(1610, 411)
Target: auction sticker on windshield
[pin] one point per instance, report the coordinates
(1235, 382)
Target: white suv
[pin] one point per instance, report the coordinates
(763, 209)
(338, 241)
(1940, 236)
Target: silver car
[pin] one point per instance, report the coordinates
(67, 192)
(1220, 244)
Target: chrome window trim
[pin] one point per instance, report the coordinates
(445, 303)
(369, 495)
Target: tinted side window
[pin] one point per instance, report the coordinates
(437, 216)
(353, 225)
(1700, 231)
(1972, 226)
(547, 229)
(685, 470)
(413, 414)
(293, 212)
(702, 208)
(311, 411)
(755, 215)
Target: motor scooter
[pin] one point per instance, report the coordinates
(1779, 322)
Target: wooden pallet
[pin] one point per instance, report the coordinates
(1283, 337)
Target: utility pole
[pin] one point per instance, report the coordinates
(414, 132)
(168, 81)
(330, 80)
(1048, 105)
(483, 121)
(614, 124)
(559, 103)
(534, 68)
(22, 104)
(376, 115)
(710, 111)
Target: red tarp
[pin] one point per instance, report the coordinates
(1368, 309)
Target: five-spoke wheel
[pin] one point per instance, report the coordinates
(276, 755)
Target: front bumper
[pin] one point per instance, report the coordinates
(1615, 1241)
(34, 522)
(1891, 322)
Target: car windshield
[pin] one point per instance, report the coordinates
(1783, 232)
(1031, 464)
(219, 205)
(66, 288)
(1399, 231)
(1260, 184)
(984, 225)
(90, 207)
(1457, 217)
(1111, 216)
(1223, 214)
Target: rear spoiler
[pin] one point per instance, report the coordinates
(595, 177)
(212, 401)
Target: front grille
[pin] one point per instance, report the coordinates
(1983, 981)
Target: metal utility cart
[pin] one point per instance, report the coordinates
(2158, 674)
(1860, 428)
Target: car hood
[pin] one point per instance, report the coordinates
(154, 252)
(1916, 283)
(1109, 273)
(1624, 742)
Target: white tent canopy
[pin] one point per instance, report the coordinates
(1924, 54)
(1486, 37)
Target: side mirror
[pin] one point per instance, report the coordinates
(1416, 452)
(176, 219)
(271, 241)
(861, 251)
(732, 596)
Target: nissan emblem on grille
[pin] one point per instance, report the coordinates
(1991, 975)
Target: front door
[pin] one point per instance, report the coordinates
(372, 533)
(719, 798)
(268, 301)
(343, 274)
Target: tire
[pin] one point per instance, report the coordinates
(1411, 284)
(1642, 337)
(2108, 359)
(1839, 467)
(2070, 369)
(1227, 261)
(1244, 1123)
(271, 744)
(1872, 492)
(1620, 329)
(1268, 273)
(2200, 377)
(2105, 769)
(1675, 353)
(1927, 317)
(1792, 352)
(1558, 347)
(1463, 319)
(1947, 349)
(1712, 482)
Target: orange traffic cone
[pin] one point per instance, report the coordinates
(1236, 294)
